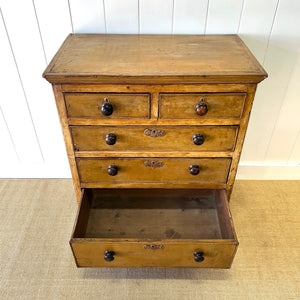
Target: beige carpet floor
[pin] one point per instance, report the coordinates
(36, 221)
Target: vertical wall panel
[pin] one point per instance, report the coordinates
(14, 106)
(255, 28)
(27, 46)
(156, 16)
(189, 16)
(223, 16)
(88, 16)
(122, 17)
(280, 59)
(294, 155)
(256, 23)
(8, 154)
(55, 24)
(287, 125)
(32, 143)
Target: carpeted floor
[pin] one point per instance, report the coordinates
(36, 221)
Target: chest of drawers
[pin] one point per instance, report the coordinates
(154, 126)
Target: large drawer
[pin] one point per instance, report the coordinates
(90, 105)
(211, 106)
(153, 228)
(141, 138)
(156, 170)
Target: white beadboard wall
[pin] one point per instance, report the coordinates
(31, 31)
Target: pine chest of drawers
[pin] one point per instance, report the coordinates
(154, 126)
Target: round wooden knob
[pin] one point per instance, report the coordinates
(107, 108)
(198, 256)
(201, 108)
(112, 170)
(109, 255)
(198, 139)
(194, 169)
(110, 139)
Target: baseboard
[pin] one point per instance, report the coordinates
(269, 172)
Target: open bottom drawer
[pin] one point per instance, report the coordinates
(153, 228)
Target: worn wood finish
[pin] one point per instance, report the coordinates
(61, 108)
(124, 105)
(183, 106)
(157, 88)
(153, 122)
(154, 160)
(153, 59)
(122, 221)
(240, 138)
(93, 138)
(173, 153)
(90, 253)
(214, 170)
(163, 185)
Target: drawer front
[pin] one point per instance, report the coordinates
(160, 170)
(89, 105)
(216, 254)
(196, 138)
(183, 106)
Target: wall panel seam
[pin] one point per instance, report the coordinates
(139, 18)
(173, 13)
(277, 116)
(10, 136)
(40, 33)
(241, 14)
(22, 85)
(207, 8)
(71, 19)
(270, 33)
(285, 90)
(104, 13)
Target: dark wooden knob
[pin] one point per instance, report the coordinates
(201, 108)
(110, 139)
(198, 256)
(112, 170)
(107, 108)
(109, 255)
(198, 139)
(194, 169)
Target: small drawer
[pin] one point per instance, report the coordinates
(141, 138)
(153, 228)
(107, 106)
(201, 106)
(156, 170)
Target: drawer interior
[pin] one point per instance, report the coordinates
(156, 214)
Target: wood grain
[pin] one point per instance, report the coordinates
(173, 170)
(90, 253)
(153, 59)
(154, 192)
(153, 122)
(83, 105)
(62, 112)
(166, 88)
(240, 138)
(123, 222)
(183, 106)
(173, 153)
(92, 138)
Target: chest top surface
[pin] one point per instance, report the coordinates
(138, 59)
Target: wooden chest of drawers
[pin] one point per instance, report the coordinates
(154, 127)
